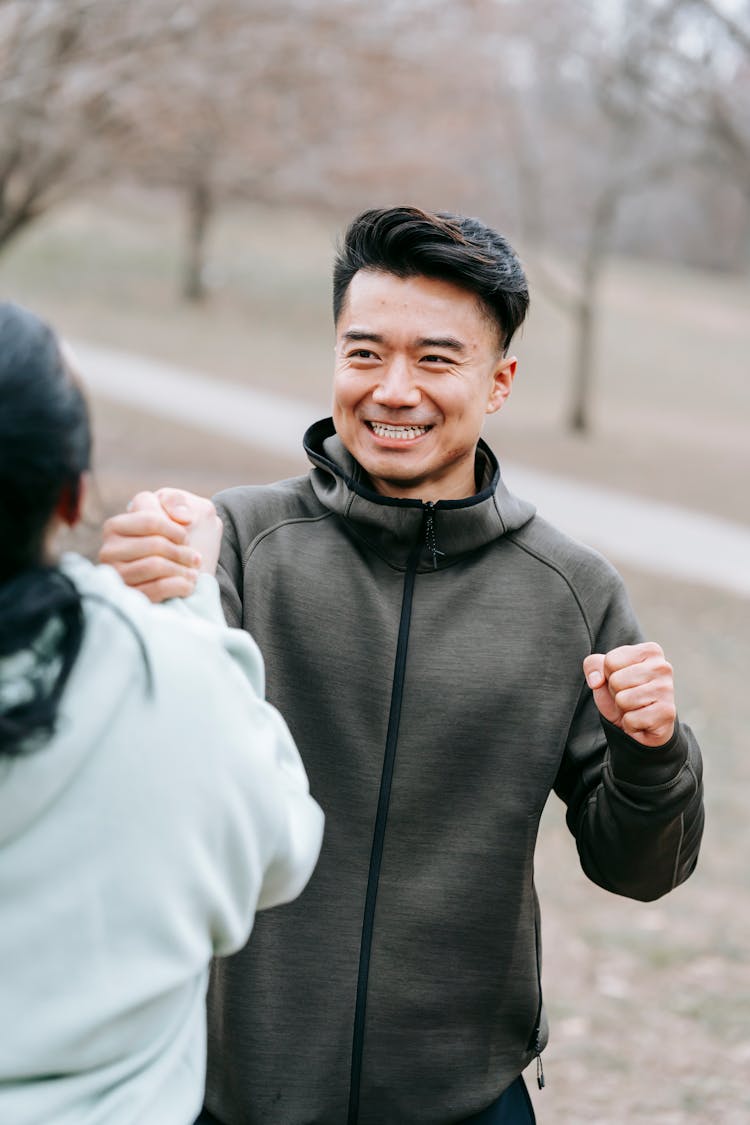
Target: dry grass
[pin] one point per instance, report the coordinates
(649, 1004)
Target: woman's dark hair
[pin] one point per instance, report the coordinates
(45, 447)
(408, 242)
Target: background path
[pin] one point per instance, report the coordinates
(661, 538)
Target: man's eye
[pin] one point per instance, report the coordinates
(436, 359)
(361, 353)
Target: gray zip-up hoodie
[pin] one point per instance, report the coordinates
(428, 661)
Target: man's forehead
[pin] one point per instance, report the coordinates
(378, 303)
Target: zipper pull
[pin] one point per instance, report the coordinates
(539, 1067)
(429, 534)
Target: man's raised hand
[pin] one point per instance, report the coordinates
(198, 516)
(163, 542)
(633, 688)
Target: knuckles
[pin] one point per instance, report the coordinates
(109, 552)
(161, 589)
(154, 567)
(629, 655)
(629, 724)
(653, 668)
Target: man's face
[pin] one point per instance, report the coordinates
(418, 366)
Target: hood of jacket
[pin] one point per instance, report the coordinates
(441, 532)
(111, 658)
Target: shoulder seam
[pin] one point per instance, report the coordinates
(558, 570)
(275, 527)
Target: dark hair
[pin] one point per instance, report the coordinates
(408, 242)
(45, 447)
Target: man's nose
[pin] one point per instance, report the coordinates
(396, 387)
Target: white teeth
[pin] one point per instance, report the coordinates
(402, 433)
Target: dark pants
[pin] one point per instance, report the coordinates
(206, 1118)
(513, 1107)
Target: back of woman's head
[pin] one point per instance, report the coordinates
(45, 447)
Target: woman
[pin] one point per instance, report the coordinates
(150, 800)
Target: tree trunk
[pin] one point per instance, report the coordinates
(200, 206)
(745, 257)
(579, 418)
(12, 223)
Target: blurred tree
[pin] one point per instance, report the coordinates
(552, 118)
(329, 104)
(738, 26)
(65, 66)
(636, 152)
(587, 140)
(212, 125)
(709, 89)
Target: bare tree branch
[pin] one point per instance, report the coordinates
(738, 31)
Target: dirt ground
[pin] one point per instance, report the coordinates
(649, 1004)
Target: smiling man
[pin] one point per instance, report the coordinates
(410, 397)
(444, 658)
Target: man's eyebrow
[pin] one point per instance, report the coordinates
(448, 342)
(442, 342)
(363, 334)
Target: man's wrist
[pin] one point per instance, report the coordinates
(636, 764)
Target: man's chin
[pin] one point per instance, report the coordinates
(390, 482)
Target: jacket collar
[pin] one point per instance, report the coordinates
(395, 528)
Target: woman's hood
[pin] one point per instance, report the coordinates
(110, 664)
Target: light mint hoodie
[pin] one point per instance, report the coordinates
(135, 845)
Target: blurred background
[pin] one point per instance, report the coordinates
(173, 177)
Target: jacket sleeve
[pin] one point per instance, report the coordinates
(636, 812)
(229, 569)
(267, 829)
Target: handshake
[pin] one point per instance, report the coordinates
(163, 542)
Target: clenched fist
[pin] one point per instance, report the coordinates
(633, 688)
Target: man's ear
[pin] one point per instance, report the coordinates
(502, 383)
(72, 498)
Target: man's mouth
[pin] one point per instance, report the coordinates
(397, 433)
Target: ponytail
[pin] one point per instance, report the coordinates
(41, 629)
(45, 448)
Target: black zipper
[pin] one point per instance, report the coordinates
(536, 1035)
(426, 539)
(429, 533)
(381, 818)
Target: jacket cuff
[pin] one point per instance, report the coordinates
(205, 601)
(635, 764)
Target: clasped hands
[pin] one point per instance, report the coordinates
(163, 542)
(167, 538)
